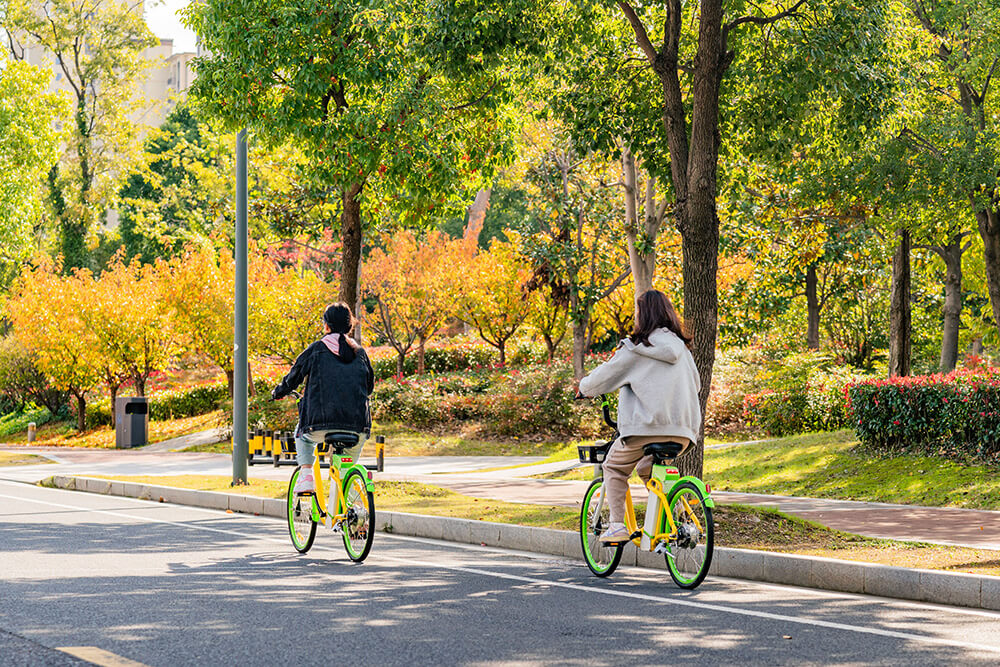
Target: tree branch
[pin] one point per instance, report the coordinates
(641, 36)
(761, 20)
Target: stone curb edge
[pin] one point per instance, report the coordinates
(949, 588)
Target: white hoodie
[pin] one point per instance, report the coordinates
(659, 386)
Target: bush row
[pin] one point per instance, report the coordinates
(450, 357)
(957, 413)
(170, 404)
(17, 422)
(528, 402)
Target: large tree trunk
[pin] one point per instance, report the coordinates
(812, 308)
(952, 256)
(229, 380)
(989, 229)
(81, 411)
(899, 308)
(640, 234)
(350, 236)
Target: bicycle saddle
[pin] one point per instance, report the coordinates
(338, 442)
(663, 451)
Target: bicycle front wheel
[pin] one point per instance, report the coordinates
(359, 505)
(690, 552)
(301, 527)
(594, 519)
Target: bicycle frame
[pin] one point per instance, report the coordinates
(319, 507)
(666, 528)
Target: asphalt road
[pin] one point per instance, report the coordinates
(169, 585)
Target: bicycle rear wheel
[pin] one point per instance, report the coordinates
(301, 527)
(594, 519)
(690, 552)
(359, 504)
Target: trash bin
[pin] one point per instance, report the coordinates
(131, 421)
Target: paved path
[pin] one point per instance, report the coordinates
(974, 528)
(172, 586)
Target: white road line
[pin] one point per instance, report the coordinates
(237, 516)
(579, 587)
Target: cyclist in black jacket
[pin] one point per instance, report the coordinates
(339, 379)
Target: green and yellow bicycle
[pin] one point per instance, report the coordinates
(678, 520)
(344, 502)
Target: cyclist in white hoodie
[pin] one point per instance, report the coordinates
(658, 387)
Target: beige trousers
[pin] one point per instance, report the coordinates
(622, 459)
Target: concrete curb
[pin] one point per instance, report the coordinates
(950, 588)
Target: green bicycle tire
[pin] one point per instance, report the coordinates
(685, 568)
(302, 538)
(359, 534)
(601, 560)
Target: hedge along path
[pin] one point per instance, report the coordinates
(955, 414)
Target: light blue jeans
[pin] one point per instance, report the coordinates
(305, 445)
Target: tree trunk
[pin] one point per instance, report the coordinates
(812, 306)
(113, 391)
(550, 346)
(420, 355)
(989, 229)
(899, 308)
(952, 256)
(400, 363)
(477, 215)
(640, 235)
(139, 382)
(229, 380)
(579, 349)
(350, 236)
(81, 411)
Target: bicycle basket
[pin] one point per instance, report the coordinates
(595, 453)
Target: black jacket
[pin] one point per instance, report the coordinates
(336, 393)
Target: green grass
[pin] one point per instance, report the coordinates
(18, 459)
(829, 465)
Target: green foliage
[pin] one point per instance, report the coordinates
(800, 393)
(361, 88)
(28, 149)
(536, 401)
(170, 404)
(957, 413)
(444, 357)
(21, 381)
(17, 422)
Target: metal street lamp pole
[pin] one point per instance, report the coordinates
(240, 445)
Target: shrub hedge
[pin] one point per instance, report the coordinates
(17, 422)
(170, 404)
(535, 401)
(452, 356)
(954, 413)
(800, 393)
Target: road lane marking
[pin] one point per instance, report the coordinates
(704, 606)
(99, 656)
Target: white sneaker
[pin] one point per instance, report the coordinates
(616, 532)
(305, 484)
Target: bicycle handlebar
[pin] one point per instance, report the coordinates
(606, 411)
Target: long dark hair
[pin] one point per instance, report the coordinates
(656, 312)
(341, 321)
